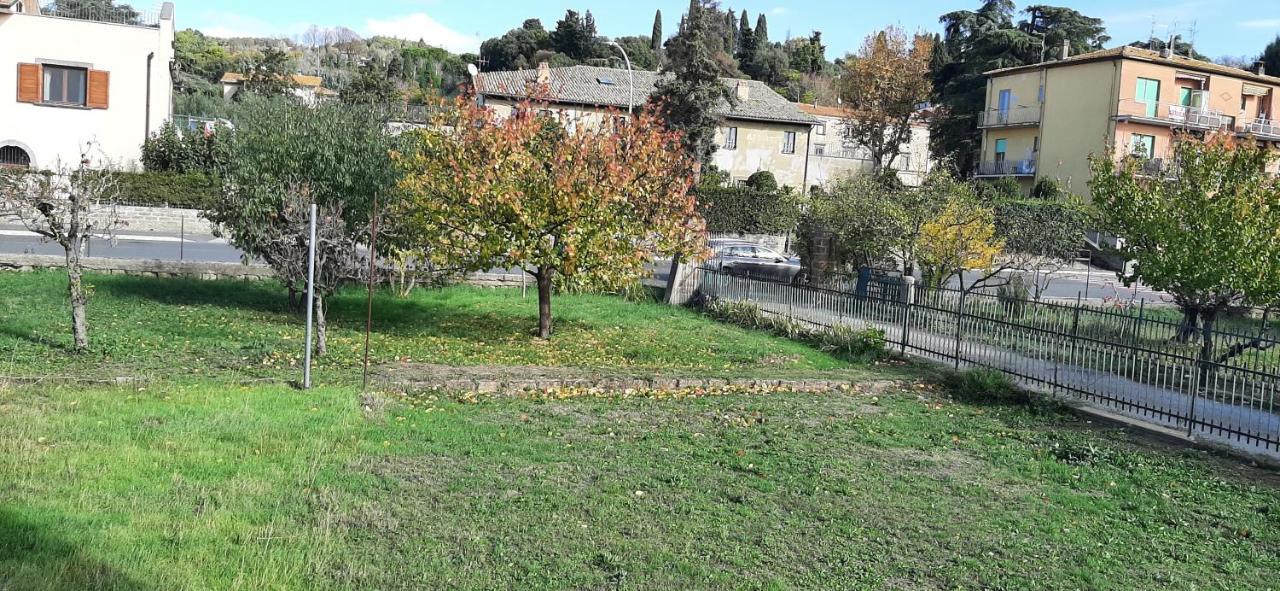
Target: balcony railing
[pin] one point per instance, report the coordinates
(1011, 117)
(104, 12)
(1025, 167)
(1175, 115)
(1262, 127)
(845, 153)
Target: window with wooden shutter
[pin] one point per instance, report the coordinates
(29, 83)
(99, 90)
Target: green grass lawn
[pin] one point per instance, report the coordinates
(202, 478)
(173, 328)
(195, 487)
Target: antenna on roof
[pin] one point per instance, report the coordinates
(1191, 48)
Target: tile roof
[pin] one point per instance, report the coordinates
(822, 110)
(609, 87)
(299, 79)
(1146, 55)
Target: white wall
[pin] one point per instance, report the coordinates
(52, 134)
(913, 164)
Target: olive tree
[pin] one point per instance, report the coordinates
(284, 156)
(1208, 233)
(67, 206)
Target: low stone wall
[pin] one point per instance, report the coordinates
(569, 382)
(777, 242)
(162, 220)
(31, 262)
(156, 268)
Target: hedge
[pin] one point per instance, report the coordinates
(749, 211)
(191, 190)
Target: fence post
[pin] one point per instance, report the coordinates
(909, 285)
(1200, 368)
(960, 327)
(1075, 330)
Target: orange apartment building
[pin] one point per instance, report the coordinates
(1045, 120)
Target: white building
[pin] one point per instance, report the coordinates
(308, 89)
(833, 157)
(71, 81)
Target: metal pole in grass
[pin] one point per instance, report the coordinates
(373, 270)
(960, 327)
(909, 283)
(311, 298)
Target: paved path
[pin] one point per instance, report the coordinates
(1160, 404)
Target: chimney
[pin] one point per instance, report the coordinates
(544, 73)
(1167, 52)
(743, 91)
(1066, 49)
(1260, 68)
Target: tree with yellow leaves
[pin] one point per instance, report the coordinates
(961, 237)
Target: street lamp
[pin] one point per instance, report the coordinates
(631, 78)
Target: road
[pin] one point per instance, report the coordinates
(1092, 284)
(203, 249)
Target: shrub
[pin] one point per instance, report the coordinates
(985, 386)
(748, 211)
(168, 150)
(762, 181)
(169, 189)
(1046, 188)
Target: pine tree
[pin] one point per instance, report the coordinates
(656, 43)
(762, 31)
(1271, 57)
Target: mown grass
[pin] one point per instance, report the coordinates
(180, 486)
(173, 328)
(201, 479)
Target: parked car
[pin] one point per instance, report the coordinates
(747, 259)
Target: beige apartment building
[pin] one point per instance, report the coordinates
(1045, 120)
(762, 131)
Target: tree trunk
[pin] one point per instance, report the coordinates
(1187, 328)
(1207, 318)
(322, 347)
(75, 284)
(544, 302)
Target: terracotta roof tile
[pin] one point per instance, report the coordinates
(1146, 55)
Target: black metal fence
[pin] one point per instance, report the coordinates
(1129, 360)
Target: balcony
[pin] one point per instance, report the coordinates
(1012, 168)
(1174, 115)
(1266, 129)
(106, 12)
(1020, 116)
(843, 153)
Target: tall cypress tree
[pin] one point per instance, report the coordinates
(691, 90)
(655, 40)
(746, 39)
(762, 31)
(730, 39)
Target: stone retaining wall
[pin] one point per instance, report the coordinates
(194, 270)
(31, 262)
(162, 220)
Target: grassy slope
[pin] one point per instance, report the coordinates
(166, 328)
(194, 483)
(190, 487)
